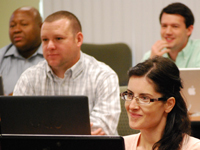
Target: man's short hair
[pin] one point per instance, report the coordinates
(180, 9)
(75, 23)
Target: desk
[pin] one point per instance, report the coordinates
(194, 118)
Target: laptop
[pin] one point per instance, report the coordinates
(191, 88)
(1, 86)
(62, 115)
(76, 142)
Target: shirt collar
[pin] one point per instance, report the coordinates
(77, 68)
(74, 71)
(186, 50)
(14, 52)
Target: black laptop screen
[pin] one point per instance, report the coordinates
(44, 115)
(63, 143)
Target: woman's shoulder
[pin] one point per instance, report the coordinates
(190, 143)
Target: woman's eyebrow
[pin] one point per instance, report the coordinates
(142, 94)
(129, 90)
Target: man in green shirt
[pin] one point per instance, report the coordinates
(176, 27)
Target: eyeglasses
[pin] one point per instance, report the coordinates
(128, 96)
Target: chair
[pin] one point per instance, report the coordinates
(118, 56)
(123, 125)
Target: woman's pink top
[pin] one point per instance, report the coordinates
(190, 143)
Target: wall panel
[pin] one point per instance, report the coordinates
(134, 22)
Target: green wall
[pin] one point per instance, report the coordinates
(6, 9)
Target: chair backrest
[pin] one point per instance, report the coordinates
(123, 125)
(118, 56)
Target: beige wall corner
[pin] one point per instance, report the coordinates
(6, 9)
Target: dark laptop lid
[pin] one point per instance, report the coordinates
(88, 142)
(1, 86)
(44, 115)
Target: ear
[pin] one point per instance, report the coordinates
(190, 29)
(169, 105)
(79, 39)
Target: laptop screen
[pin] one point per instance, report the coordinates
(1, 86)
(87, 142)
(44, 115)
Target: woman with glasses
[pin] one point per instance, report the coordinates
(155, 107)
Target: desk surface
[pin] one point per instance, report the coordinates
(195, 118)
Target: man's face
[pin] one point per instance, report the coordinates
(174, 31)
(61, 47)
(24, 30)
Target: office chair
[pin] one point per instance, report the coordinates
(118, 56)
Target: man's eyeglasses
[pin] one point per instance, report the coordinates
(128, 96)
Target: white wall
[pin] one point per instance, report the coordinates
(135, 22)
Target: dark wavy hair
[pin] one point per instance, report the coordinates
(180, 9)
(165, 76)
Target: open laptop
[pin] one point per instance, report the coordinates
(76, 142)
(1, 86)
(44, 115)
(191, 88)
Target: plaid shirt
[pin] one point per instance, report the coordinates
(87, 77)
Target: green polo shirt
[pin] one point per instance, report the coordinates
(189, 57)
